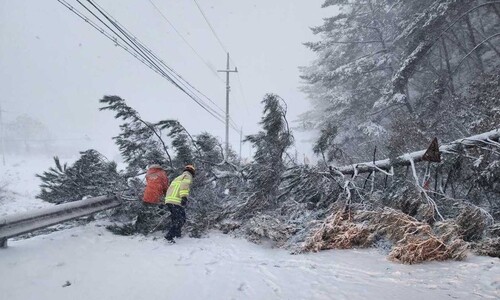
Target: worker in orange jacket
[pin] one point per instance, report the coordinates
(156, 184)
(156, 188)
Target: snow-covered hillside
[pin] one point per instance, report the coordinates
(89, 262)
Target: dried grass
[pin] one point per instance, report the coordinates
(419, 249)
(442, 242)
(339, 232)
(413, 241)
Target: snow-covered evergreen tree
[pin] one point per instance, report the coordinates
(139, 142)
(182, 142)
(90, 176)
(353, 66)
(270, 146)
(389, 74)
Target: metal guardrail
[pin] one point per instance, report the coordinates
(14, 225)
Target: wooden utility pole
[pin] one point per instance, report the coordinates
(228, 88)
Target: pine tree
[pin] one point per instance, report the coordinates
(270, 146)
(139, 142)
(325, 143)
(389, 74)
(142, 143)
(3, 191)
(90, 176)
(182, 142)
(210, 148)
(351, 72)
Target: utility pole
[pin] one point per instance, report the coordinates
(2, 141)
(228, 88)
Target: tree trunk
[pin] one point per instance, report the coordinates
(405, 159)
(448, 67)
(474, 43)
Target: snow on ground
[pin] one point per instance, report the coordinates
(21, 183)
(88, 262)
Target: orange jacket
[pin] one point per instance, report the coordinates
(156, 184)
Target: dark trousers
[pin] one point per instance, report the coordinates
(178, 220)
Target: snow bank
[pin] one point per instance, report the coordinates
(90, 263)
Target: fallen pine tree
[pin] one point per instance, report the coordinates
(420, 223)
(302, 208)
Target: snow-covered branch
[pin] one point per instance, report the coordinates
(491, 138)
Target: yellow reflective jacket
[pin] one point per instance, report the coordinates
(179, 188)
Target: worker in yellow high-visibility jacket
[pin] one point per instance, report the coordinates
(176, 199)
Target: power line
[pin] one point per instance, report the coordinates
(137, 49)
(127, 43)
(130, 43)
(211, 28)
(206, 97)
(242, 92)
(185, 41)
(106, 34)
(225, 51)
(147, 58)
(134, 40)
(233, 125)
(109, 36)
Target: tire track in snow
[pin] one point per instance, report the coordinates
(269, 279)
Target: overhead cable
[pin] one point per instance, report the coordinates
(211, 27)
(185, 41)
(106, 34)
(143, 54)
(141, 47)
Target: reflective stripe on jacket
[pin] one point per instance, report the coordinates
(179, 188)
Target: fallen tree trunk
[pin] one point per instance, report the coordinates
(488, 138)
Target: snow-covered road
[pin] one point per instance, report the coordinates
(100, 265)
(89, 263)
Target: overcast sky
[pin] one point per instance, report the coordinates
(55, 67)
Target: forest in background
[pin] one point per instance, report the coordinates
(395, 74)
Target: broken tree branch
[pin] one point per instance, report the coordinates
(491, 138)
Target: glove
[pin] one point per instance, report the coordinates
(184, 201)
